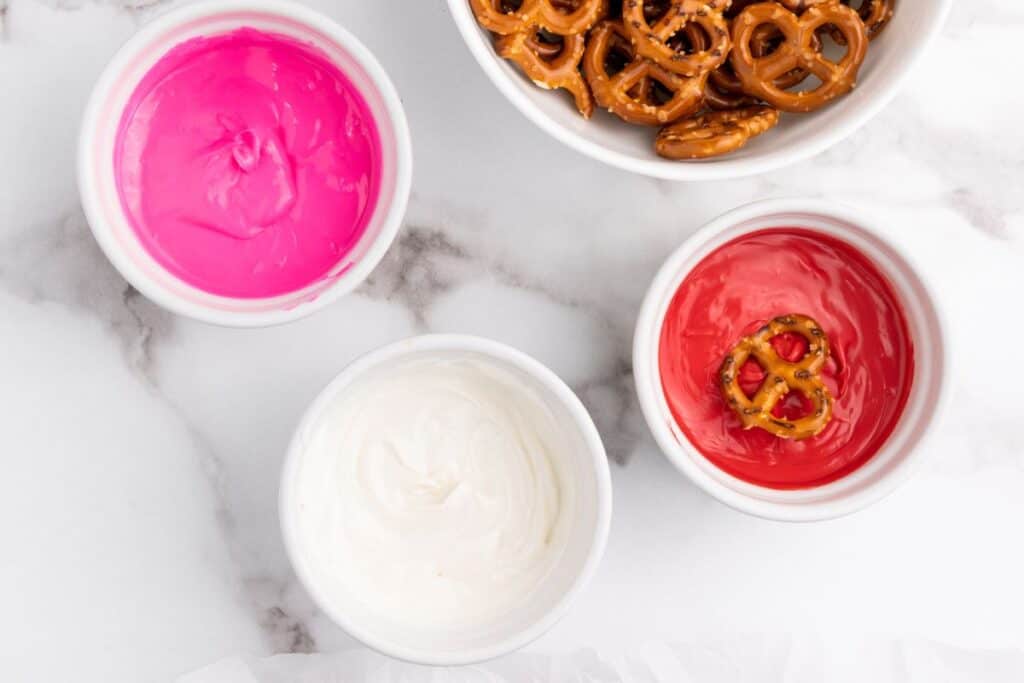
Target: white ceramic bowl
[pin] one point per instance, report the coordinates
(98, 187)
(537, 612)
(890, 61)
(895, 460)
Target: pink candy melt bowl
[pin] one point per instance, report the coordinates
(138, 221)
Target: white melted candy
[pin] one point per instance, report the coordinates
(432, 492)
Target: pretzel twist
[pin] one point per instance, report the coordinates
(781, 377)
(653, 41)
(713, 133)
(561, 17)
(759, 75)
(630, 93)
(550, 72)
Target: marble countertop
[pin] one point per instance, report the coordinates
(142, 451)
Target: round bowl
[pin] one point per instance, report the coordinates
(890, 61)
(895, 461)
(536, 612)
(98, 187)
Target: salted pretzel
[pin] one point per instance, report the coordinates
(725, 88)
(713, 133)
(655, 41)
(759, 74)
(716, 97)
(549, 72)
(633, 93)
(781, 377)
(561, 17)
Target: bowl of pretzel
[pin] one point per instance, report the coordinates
(699, 89)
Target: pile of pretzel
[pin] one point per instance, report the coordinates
(713, 73)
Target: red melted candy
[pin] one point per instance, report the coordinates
(737, 289)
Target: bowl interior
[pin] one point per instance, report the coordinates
(882, 472)
(585, 501)
(797, 136)
(97, 177)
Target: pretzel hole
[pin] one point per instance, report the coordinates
(548, 46)
(809, 83)
(765, 40)
(790, 346)
(750, 377)
(792, 406)
(508, 6)
(618, 56)
(690, 39)
(655, 10)
(863, 7)
(830, 48)
(659, 93)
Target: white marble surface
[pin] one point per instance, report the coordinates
(141, 451)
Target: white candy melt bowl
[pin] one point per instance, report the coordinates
(896, 459)
(98, 186)
(890, 61)
(588, 510)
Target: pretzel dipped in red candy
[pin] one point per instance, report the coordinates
(561, 17)
(547, 69)
(781, 377)
(654, 40)
(797, 51)
(713, 133)
(643, 91)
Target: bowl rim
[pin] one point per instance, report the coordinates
(685, 456)
(446, 343)
(344, 282)
(716, 169)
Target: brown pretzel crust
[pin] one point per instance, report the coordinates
(560, 17)
(714, 133)
(560, 71)
(759, 75)
(629, 93)
(704, 16)
(781, 377)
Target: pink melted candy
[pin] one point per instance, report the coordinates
(248, 163)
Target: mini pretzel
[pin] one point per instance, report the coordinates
(559, 71)
(759, 75)
(715, 96)
(562, 17)
(713, 133)
(630, 94)
(725, 87)
(653, 42)
(781, 377)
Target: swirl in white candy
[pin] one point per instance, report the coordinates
(432, 491)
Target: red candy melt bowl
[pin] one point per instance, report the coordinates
(790, 360)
